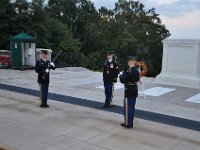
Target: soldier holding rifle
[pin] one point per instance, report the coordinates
(110, 75)
(43, 67)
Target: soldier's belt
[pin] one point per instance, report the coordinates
(131, 83)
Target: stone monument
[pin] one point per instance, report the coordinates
(180, 63)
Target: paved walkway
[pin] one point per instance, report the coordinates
(25, 126)
(82, 83)
(146, 115)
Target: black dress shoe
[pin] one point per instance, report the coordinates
(104, 106)
(44, 106)
(125, 126)
(107, 106)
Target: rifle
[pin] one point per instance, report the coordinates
(54, 59)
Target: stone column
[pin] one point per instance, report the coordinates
(181, 63)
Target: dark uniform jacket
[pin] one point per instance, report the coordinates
(110, 73)
(130, 78)
(40, 68)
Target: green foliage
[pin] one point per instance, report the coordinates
(70, 44)
(57, 33)
(94, 60)
(86, 33)
(7, 14)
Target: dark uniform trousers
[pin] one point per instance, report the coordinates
(44, 87)
(109, 87)
(129, 110)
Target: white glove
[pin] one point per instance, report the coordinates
(52, 64)
(111, 66)
(121, 73)
(47, 70)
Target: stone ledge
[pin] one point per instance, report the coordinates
(178, 81)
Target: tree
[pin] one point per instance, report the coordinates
(21, 21)
(129, 29)
(6, 19)
(57, 32)
(63, 10)
(81, 30)
(72, 54)
(70, 44)
(39, 23)
(85, 10)
(142, 33)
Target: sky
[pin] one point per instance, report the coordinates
(181, 17)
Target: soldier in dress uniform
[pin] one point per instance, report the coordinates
(130, 79)
(43, 67)
(110, 75)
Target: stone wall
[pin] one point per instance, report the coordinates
(181, 63)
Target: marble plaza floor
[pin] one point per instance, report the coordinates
(25, 126)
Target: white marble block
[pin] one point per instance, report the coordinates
(181, 63)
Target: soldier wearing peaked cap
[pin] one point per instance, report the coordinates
(130, 78)
(43, 67)
(110, 75)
